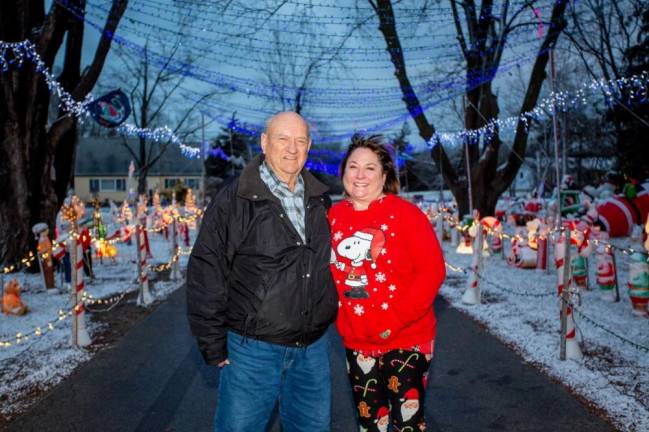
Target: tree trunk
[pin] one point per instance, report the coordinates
(487, 180)
(37, 162)
(141, 181)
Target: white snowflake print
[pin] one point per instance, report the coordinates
(333, 222)
(359, 310)
(338, 236)
(392, 287)
(384, 227)
(340, 304)
(384, 306)
(391, 216)
(380, 277)
(384, 251)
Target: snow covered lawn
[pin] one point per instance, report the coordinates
(613, 376)
(32, 367)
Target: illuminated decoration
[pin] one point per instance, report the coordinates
(302, 50)
(606, 271)
(639, 284)
(44, 248)
(22, 51)
(627, 90)
(110, 110)
(12, 304)
(344, 96)
(561, 248)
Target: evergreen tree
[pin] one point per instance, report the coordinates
(229, 152)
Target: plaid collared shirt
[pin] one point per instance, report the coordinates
(292, 202)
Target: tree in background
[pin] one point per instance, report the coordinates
(36, 155)
(227, 154)
(608, 37)
(154, 87)
(633, 115)
(482, 33)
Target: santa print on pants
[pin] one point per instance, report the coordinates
(382, 419)
(396, 379)
(410, 404)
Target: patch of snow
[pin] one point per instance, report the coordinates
(43, 361)
(614, 375)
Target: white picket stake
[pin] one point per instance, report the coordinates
(144, 297)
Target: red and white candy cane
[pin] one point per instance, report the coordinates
(80, 335)
(144, 297)
(573, 351)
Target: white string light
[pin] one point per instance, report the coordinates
(25, 50)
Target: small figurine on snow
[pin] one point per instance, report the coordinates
(12, 304)
(606, 273)
(639, 283)
(44, 247)
(495, 231)
(580, 237)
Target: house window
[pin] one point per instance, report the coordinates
(94, 185)
(120, 184)
(170, 183)
(191, 183)
(108, 185)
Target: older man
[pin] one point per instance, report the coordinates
(259, 292)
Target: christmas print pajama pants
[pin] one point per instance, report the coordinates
(389, 388)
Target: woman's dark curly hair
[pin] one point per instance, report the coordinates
(375, 144)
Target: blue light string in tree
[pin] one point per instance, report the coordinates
(249, 87)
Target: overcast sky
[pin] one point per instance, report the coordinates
(234, 52)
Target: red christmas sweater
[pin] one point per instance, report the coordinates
(388, 267)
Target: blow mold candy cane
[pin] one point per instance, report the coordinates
(573, 351)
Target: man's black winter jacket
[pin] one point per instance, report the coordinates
(250, 271)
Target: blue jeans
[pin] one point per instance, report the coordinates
(260, 374)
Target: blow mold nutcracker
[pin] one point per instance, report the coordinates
(44, 247)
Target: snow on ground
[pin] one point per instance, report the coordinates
(613, 375)
(39, 363)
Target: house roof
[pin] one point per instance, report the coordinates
(107, 156)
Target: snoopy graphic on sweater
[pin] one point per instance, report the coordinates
(361, 247)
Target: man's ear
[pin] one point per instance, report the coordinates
(263, 142)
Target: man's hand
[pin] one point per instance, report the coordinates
(224, 362)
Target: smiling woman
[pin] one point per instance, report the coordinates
(368, 171)
(388, 267)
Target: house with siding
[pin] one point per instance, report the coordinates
(101, 169)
